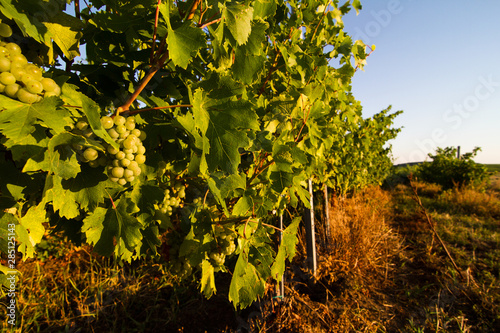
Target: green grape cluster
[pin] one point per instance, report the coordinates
(123, 163)
(19, 79)
(173, 199)
(221, 248)
(225, 245)
(125, 160)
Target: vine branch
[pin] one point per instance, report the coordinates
(151, 57)
(160, 108)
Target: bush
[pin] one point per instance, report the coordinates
(448, 170)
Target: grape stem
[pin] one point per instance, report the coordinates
(195, 5)
(152, 71)
(151, 58)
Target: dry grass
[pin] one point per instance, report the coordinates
(360, 237)
(471, 201)
(347, 293)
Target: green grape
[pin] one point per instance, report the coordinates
(11, 90)
(130, 125)
(122, 181)
(90, 154)
(130, 157)
(128, 173)
(26, 97)
(5, 30)
(4, 64)
(7, 78)
(128, 143)
(34, 70)
(2, 88)
(120, 129)
(140, 159)
(27, 78)
(18, 72)
(113, 133)
(130, 179)
(56, 91)
(18, 60)
(13, 48)
(4, 52)
(114, 179)
(124, 135)
(93, 164)
(117, 172)
(115, 163)
(142, 137)
(137, 171)
(34, 87)
(112, 150)
(82, 125)
(49, 85)
(133, 165)
(120, 155)
(50, 94)
(106, 122)
(136, 132)
(119, 120)
(141, 150)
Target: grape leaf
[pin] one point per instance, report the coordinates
(207, 279)
(18, 122)
(106, 227)
(30, 229)
(86, 191)
(264, 8)
(280, 180)
(60, 160)
(250, 58)
(226, 134)
(246, 284)
(151, 238)
(183, 42)
(238, 18)
(66, 32)
(286, 250)
(29, 146)
(145, 196)
(243, 206)
(5, 220)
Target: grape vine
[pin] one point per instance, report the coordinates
(183, 129)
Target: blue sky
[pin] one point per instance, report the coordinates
(438, 62)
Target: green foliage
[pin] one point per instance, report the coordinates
(448, 170)
(240, 103)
